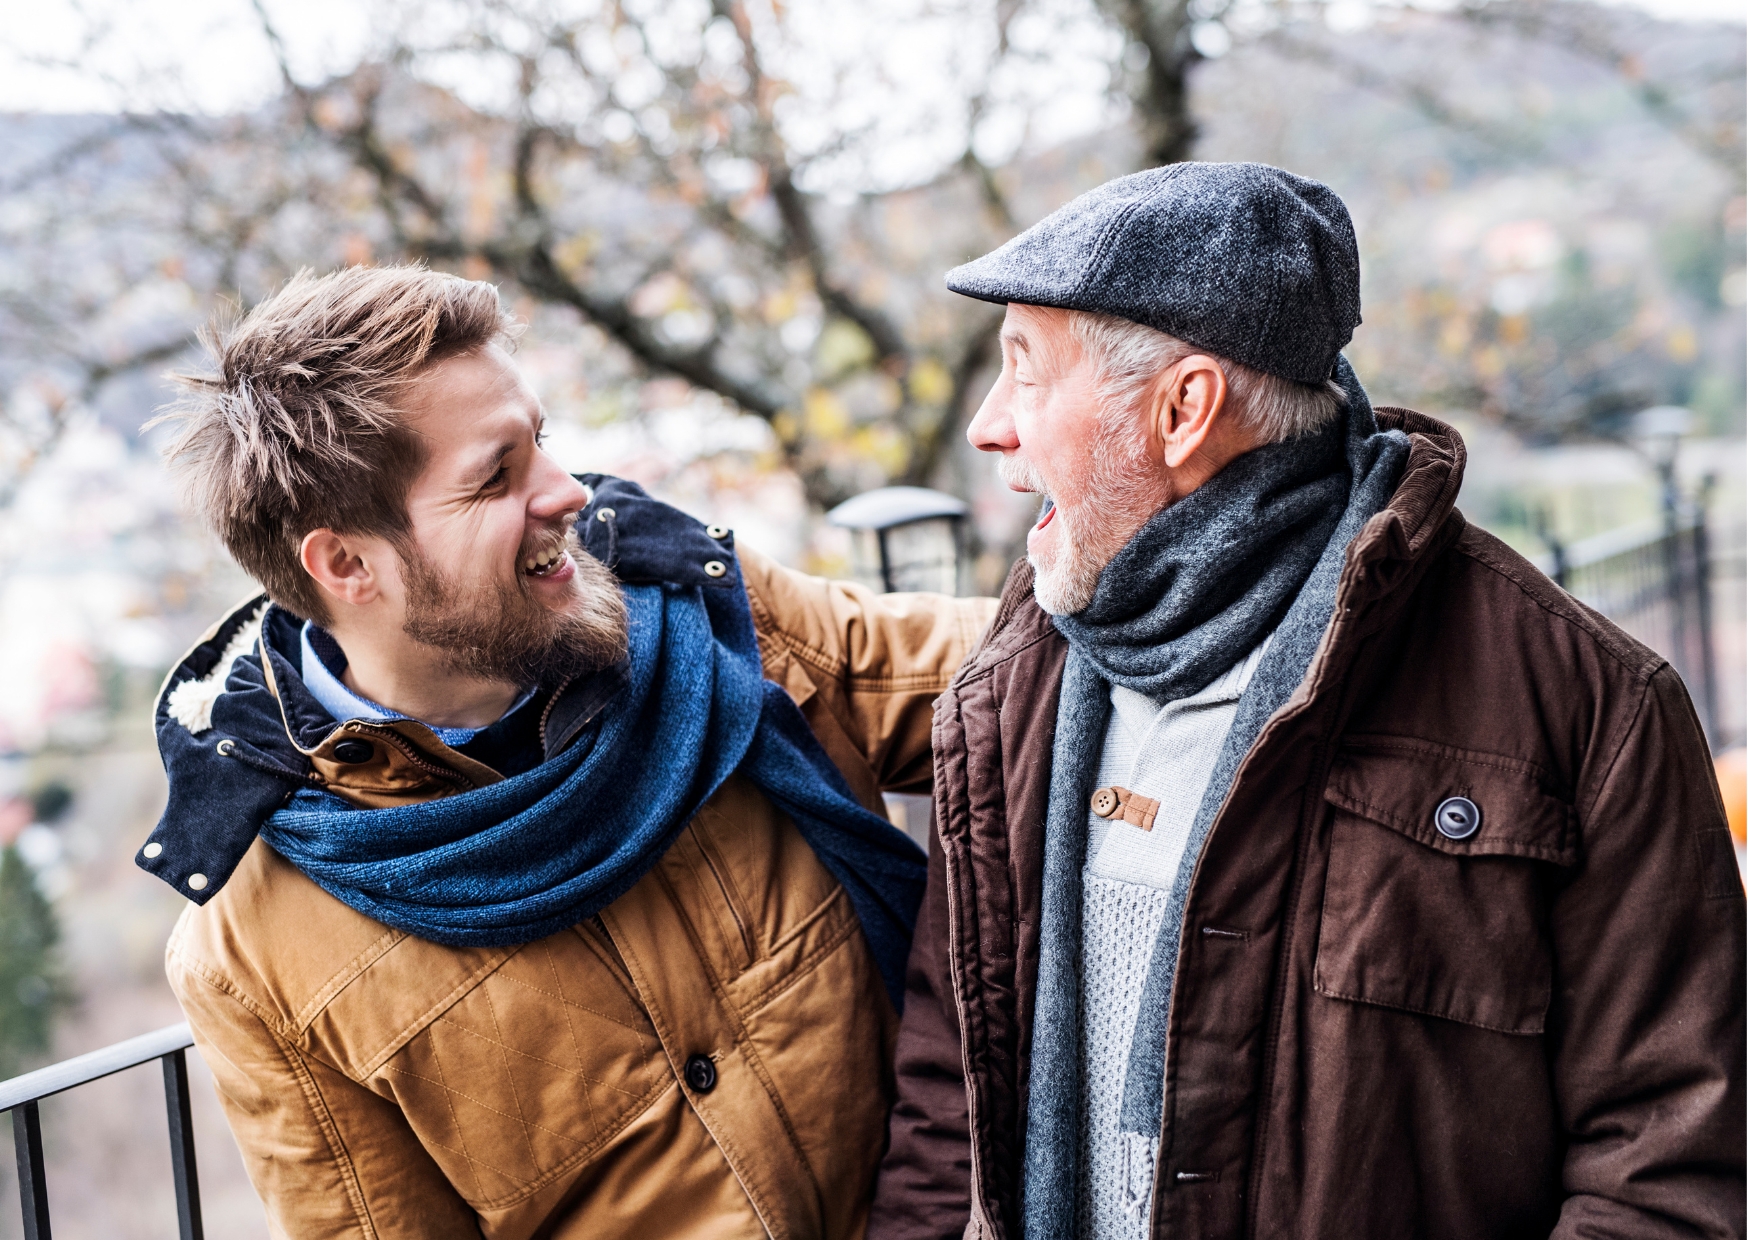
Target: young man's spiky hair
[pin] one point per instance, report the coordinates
(301, 426)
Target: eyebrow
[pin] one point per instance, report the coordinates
(1017, 339)
(482, 473)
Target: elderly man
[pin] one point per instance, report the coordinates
(1307, 864)
(528, 825)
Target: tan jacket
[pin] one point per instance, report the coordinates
(383, 1086)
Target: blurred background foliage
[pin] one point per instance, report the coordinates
(726, 222)
(756, 201)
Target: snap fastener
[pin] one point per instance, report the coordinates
(714, 568)
(153, 849)
(716, 531)
(605, 514)
(353, 752)
(701, 1073)
(1104, 802)
(224, 748)
(1457, 818)
(197, 882)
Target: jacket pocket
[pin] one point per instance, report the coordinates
(1447, 923)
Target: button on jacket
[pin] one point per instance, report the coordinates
(710, 1056)
(1462, 956)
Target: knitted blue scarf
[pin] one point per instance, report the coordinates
(524, 858)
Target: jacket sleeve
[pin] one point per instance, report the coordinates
(328, 1157)
(924, 1188)
(865, 668)
(1647, 1027)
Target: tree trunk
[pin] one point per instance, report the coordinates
(1160, 92)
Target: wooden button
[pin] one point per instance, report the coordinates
(1105, 802)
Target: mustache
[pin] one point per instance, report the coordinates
(560, 533)
(1021, 474)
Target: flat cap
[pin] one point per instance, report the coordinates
(1243, 260)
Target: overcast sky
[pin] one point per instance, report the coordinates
(209, 55)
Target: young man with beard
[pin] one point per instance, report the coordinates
(1307, 864)
(525, 898)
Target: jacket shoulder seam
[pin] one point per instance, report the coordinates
(346, 974)
(1620, 748)
(228, 987)
(312, 1094)
(429, 1016)
(1641, 671)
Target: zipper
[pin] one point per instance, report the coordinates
(413, 756)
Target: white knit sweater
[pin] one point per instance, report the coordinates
(1166, 752)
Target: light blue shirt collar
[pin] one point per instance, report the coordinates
(339, 701)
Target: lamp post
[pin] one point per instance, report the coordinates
(905, 538)
(1659, 430)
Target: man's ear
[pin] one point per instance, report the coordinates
(1186, 405)
(341, 566)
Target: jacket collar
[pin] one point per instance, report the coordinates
(239, 733)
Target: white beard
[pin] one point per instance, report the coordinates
(1096, 528)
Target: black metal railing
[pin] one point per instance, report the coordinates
(21, 1095)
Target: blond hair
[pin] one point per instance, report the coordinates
(300, 426)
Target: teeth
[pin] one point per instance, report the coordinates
(543, 561)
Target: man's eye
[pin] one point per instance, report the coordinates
(496, 479)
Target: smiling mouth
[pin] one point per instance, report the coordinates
(545, 563)
(1047, 518)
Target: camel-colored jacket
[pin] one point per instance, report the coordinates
(382, 1086)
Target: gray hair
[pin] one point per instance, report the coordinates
(1129, 357)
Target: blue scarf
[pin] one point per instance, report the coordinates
(1259, 548)
(524, 858)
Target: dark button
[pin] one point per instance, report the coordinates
(354, 751)
(701, 1073)
(1457, 818)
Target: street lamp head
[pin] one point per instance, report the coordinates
(905, 538)
(1662, 422)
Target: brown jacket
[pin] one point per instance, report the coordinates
(384, 1086)
(1377, 1031)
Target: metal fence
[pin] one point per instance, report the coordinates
(21, 1095)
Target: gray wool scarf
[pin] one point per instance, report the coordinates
(1258, 548)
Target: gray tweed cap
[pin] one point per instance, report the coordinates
(1243, 260)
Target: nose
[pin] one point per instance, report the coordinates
(992, 430)
(555, 491)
